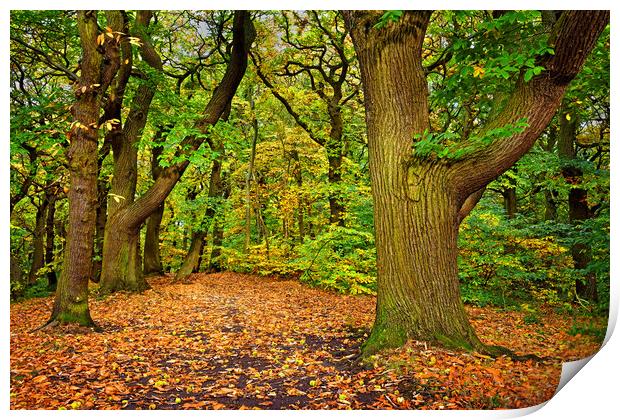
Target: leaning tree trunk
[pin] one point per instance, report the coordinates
(71, 303)
(128, 220)
(419, 201)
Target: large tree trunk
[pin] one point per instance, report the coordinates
(578, 208)
(71, 302)
(418, 201)
(127, 221)
(121, 242)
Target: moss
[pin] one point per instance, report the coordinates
(383, 337)
(77, 314)
(457, 343)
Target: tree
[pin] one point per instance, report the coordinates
(422, 184)
(121, 263)
(320, 53)
(96, 74)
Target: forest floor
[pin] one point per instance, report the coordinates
(231, 341)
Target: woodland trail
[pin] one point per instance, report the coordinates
(231, 341)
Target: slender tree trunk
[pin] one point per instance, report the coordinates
(578, 209)
(334, 149)
(418, 201)
(248, 181)
(152, 254)
(152, 257)
(16, 275)
(551, 206)
(50, 237)
(38, 241)
(215, 264)
(302, 201)
(191, 263)
(510, 201)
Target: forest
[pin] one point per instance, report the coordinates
(306, 209)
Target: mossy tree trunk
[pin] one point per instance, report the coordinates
(120, 241)
(71, 302)
(419, 202)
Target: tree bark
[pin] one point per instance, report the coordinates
(510, 201)
(71, 302)
(121, 242)
(215, 264)
(102, 217)
(417, 200)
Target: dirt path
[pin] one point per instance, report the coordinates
(234, 341)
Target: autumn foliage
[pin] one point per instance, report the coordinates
(229, 341)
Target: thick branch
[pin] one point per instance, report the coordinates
(243, 36)
(573, 37)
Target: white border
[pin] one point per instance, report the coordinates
(592, 394)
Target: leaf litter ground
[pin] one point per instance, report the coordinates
(231, 341)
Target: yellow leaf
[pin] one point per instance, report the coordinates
(126, 61)
(152, 407)
(177, 400)
(567, 117)
(478, 72)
